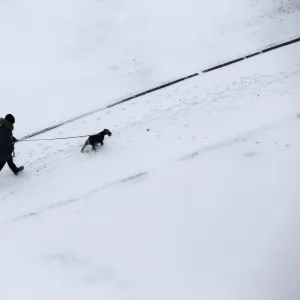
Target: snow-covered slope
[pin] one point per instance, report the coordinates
(62, 58)
(195, 196)
(203, 205)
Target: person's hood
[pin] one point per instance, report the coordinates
(6, 124)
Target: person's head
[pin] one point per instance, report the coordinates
(10, 118)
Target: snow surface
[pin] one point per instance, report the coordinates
(66, 57)
(196, 194)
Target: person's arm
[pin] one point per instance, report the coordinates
(15, 140)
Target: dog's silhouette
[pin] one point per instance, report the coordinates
(96, 139)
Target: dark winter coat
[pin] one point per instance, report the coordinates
(6, 140)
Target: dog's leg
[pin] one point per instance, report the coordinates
(84, 146)
(95, 146)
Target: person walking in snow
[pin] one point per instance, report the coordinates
(7, 144)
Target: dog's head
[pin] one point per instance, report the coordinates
(107, 132)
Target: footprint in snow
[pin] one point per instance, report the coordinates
(250, 154)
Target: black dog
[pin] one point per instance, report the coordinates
(96, 139)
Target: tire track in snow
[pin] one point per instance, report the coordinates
(141, 176)
(132, 178)
(237, 138)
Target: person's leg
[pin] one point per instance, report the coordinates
(12, 166)
(2, 164)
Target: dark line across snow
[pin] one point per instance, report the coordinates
(271, 48)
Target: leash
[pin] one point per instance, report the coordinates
(55, 139)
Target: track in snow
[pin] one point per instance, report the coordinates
(268, 49)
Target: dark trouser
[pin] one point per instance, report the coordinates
(10, 163)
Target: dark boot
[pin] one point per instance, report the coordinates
(13, 167)
(20, 169)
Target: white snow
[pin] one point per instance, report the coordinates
(196, 194)
(67, 57)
